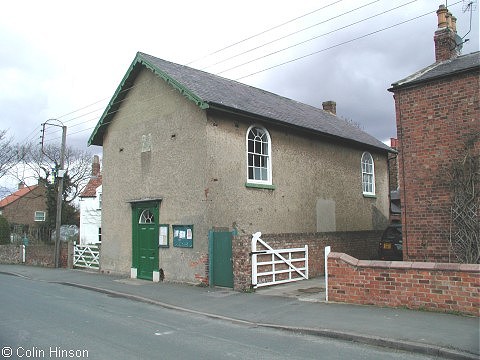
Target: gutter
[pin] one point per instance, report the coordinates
(273, 121)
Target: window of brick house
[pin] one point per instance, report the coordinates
(368, 174)
(39, 216)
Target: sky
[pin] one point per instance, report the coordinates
(64, 59)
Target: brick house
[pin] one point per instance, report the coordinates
(438, 124)
(25, 209)
(186, 153)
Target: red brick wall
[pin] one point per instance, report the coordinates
(434, 122)
(361, 244)
(431, 286)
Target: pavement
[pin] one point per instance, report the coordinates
(298, 307)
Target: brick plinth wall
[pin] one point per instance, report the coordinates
(361, 244)
(10, 254)
(441, 287)
(37, 255)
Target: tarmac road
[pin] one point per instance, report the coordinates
(444, 335)
(49, 320)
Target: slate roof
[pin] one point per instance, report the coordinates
(16, 195)
(441, 69)
(210, 91)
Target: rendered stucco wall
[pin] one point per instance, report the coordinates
(318, 184)
(173, 170)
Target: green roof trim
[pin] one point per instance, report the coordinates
(182, 89)
(96, 138)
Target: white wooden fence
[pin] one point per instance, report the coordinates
(276, 266)
(86, 256)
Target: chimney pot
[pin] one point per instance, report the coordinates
(394, 143)
(454, 24)
(445, 45)
(330, 106)
(449, 20)
(442, 16)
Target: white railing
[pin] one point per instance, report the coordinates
(86, 256)
(276, 266)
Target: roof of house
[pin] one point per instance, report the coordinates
(441, 69)
(91, 187)
(16, 195)
(210, 91)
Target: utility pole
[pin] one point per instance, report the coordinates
(59, 177)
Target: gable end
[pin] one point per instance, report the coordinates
(127, 82)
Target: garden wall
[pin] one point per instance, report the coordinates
(37, 255)
(361, 244)
(445, 287)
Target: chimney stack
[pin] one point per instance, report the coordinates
(96, 166)
(330, 106)
(445, 44)
(21, 185)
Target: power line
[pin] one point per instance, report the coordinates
(316, 37)
(274, 66)
(82, 108)
(264, 32)
(336, 45)
(347, 12)
(291, 34)
(259, 71)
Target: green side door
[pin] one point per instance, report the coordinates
(222, 258)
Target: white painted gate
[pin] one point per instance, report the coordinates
(86, 256)
(276, 266)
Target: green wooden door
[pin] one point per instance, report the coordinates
(145, 241)
(222, 259)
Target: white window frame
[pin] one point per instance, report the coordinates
(368, 174)
(252, 155)
(43, 213)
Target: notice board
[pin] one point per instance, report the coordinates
(183, 236)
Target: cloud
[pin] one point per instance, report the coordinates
(62, 56)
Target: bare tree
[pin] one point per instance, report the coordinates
(44, 164)
(10, 154)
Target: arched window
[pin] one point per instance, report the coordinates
(368, 174)
(146, 217)
(259, 156)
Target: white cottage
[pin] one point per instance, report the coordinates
(91, 207)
